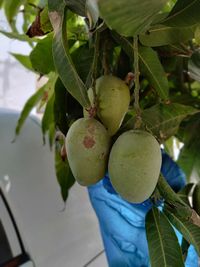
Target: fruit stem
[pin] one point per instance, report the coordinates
(95, 63)
(137, 83)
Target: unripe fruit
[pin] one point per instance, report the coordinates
(134, 165)
(113, 98)
(196, 198)
(87, 144)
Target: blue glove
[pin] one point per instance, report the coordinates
(122, 224)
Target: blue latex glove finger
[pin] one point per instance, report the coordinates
(122, 224)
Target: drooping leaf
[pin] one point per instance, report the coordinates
(63, 172)
(185, 13)
(48, 124)
(24, 60)
(129, 17)
(188, 229)
(152, 69)
(19, 37)
(41, 56)
(34, 100)
(62, 59)
(160, 35)
(29, 105)
(163, 244)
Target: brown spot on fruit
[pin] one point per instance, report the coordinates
(88, 141)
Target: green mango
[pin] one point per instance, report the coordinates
(87, 144)
(196, 198)
(134, 165)
(113, 98)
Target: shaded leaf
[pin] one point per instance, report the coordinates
(76, 6)
(189, 158)
(150, 65)
(163, 244)
(62, 59)
(152, 69)
(188, 229)
(41, 56)
(92, 11)
(163, 120)
(196, 198)
(194, 66)
(129, 17)
(24, 60)
(185, 192)
(82, 58)
(160, 35)
(63, 172)
(45, 21)
(185, 13)
(61, 107)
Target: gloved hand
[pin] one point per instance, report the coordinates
(122, 224)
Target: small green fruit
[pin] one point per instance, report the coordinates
(134, 165)
(87, 145)
(113, 98)
(196, 198)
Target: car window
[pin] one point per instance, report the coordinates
(12, 251)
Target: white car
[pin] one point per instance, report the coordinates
(34, 229)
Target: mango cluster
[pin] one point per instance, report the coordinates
(133, 161)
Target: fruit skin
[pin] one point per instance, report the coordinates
(196, 198)
(134, 165)
(113, 98)
(87, 145)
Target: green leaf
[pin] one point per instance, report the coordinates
(82, 58)
(150, 65)
(63, 172)
(76, 6)
(62, 59)
(152, 69)
(41, 56)
(188, 229)
(30, 104)
(45, 23)
(163, 244)
(184, 14)
(189, 158)
(1, 3)
(11, 8)
(163, 120)
(34, 100)
(92, 12)
(48, 124)
(185, 192)
(129, 17)
(19, 37)
(194, 66)
(24, 60)
(160, 35)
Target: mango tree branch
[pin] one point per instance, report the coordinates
(137, 83)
